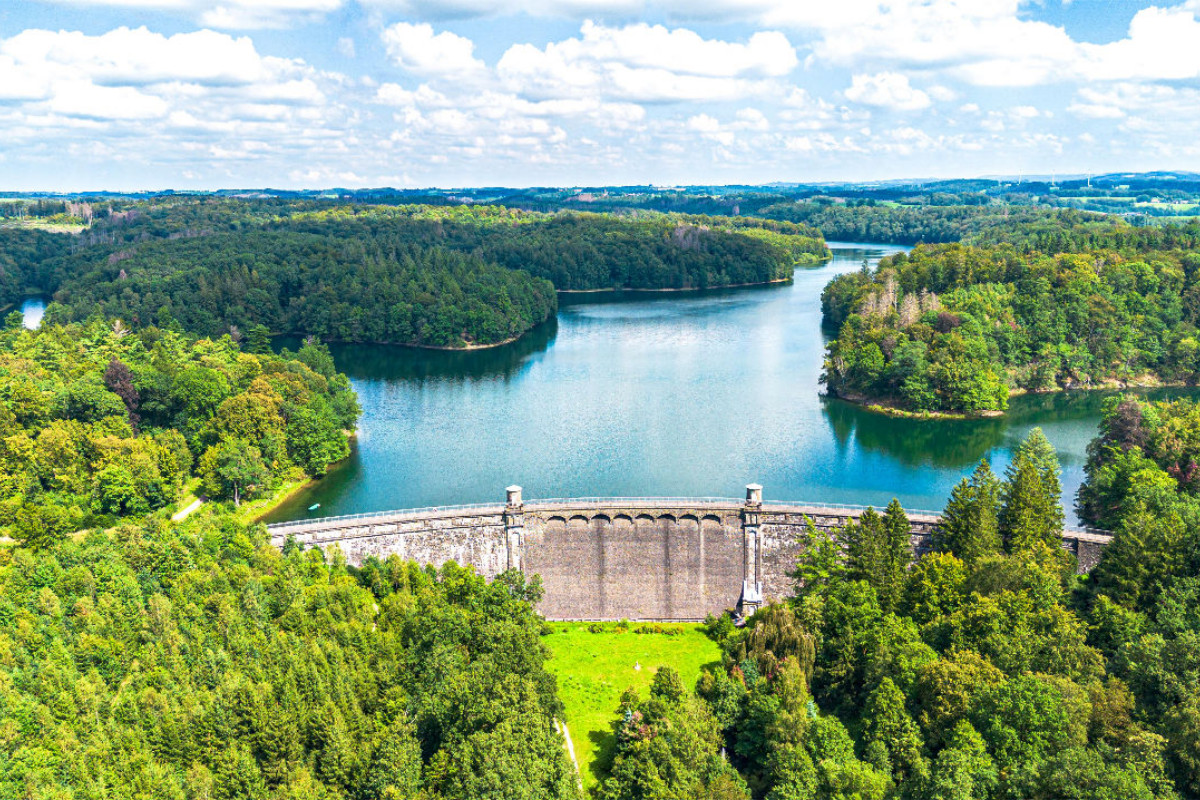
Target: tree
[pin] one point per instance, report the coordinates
(892, 740)
(866, 549)
(117, 491)
(1031, 512)
(233, 469)
(879, 550)
(897, 554)
(119, 380)
(259, 339)
(314, 439)
(969, 527)
(963, 770)
(668, 746)
(822, 561)
(40, 526)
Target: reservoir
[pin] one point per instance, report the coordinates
(661, 395)
(32, 311)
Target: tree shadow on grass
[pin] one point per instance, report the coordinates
(604, 750)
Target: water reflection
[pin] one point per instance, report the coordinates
(649, 394)
(397, 363)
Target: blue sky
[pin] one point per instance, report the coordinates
(150, 94)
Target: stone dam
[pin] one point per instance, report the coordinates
(646, 559)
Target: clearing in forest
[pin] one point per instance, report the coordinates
(594, 669)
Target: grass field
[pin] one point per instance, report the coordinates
(594, 669)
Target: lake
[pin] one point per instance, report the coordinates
(661, 395)
(32, 310)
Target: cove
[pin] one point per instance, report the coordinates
(631, 394)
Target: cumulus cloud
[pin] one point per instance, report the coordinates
(144, 96)
(647, 63)
(138, 56)
(465, 9)
(982, 42)
(887, 90)
(417, 48)
(229, 14)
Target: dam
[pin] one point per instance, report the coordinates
(643, 558)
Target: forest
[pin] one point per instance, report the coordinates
(866, 221)
(1067, 302)
(434, 276)
(986, 669)
(100, 423)
(192, 660)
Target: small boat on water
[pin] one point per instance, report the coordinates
(314, 506)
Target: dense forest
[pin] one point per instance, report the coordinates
(895, 224)
(164, 662)
(377, 288)
(194, 661)
(98, 422)
(985, 670)
(1062, 303)
(437, 276)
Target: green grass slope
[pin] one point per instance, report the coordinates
(594, 669)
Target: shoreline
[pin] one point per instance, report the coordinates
(416, 346)
(254, 510)
(685, 289)
(885, 407)
(472, 347)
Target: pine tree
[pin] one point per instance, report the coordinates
(865, 550)
(258, 340)
(1031, 491)
(970, 526)
(897, 555)
(879, 550)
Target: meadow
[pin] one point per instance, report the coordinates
(595, 668)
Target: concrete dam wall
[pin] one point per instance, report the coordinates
(618, 558)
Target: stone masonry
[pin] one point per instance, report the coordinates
(607, 559)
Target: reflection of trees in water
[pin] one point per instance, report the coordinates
(338, 482)
(395, 362)
(942, 443)
(961, 443)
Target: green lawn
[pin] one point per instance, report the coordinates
(594, 669)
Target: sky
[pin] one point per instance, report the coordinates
(205, 94)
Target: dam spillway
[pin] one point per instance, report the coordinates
(646, 559)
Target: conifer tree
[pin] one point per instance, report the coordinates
(1031, 510)
(879, 550)
(865, 551)
(970, 526)
(897, 555)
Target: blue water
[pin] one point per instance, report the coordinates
(33, 309)
(695, 394)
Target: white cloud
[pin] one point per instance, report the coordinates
(887, 90)
(464, 9)
(229, 14)
(148, 98)
(418, 49)
(1162, 45)
(648, 64)
(82, 98)
(138, 57)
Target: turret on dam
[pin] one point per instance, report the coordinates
(644, 558)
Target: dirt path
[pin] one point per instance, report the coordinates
(562, 726)
(182, 515)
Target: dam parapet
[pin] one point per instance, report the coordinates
(607, 558)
